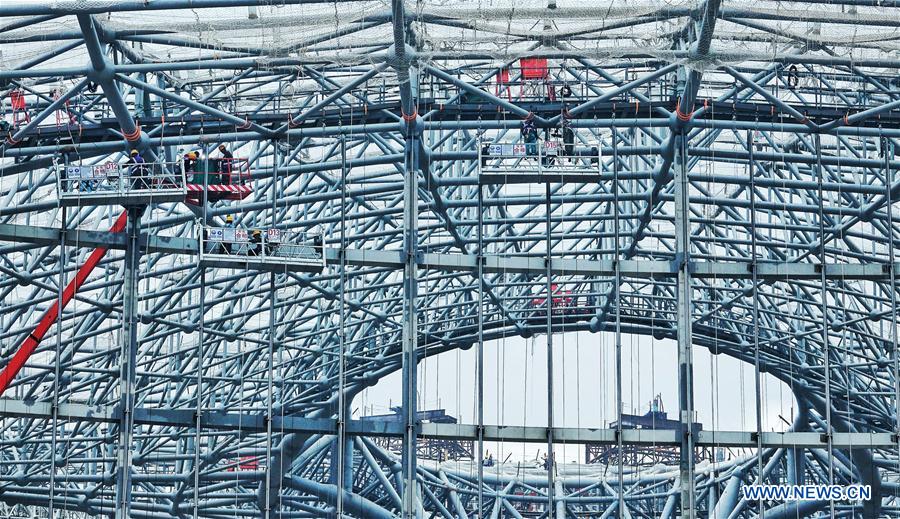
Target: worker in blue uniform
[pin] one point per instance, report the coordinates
(529, 134)
(137, 170)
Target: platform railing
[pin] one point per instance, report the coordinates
(542, 160)
(220, 171)
(562, 303)
(120, 182)
(270, 249)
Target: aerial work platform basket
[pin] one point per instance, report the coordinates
(262, 249)
(534, 68)
(225, 179)
(19, 106)
(562, 303)
(541, 161)
(124, 184)
(536, 79)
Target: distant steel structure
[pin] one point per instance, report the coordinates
(398, 183)
(642, 455)
(427, 448)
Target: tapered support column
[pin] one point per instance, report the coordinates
(127, 360)
(410, 327)
(685, 358)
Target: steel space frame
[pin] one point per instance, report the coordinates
(744, 205)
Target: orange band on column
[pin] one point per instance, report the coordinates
(134, 136)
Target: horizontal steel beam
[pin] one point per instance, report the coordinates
(77, 7)
(92, 239)
(645, 269)
(256, 423)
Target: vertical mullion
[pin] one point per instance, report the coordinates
(826, 348)
(757, 378)
(342, 280)
(889, 145)
(549, 304)
(620, 483)
(56, 358)
(127, 360)
(199, 392)
(480, 368)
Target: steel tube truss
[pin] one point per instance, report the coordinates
(723, 178)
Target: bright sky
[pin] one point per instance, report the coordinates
(584, 386)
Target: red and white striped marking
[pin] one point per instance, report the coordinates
(218, 188)
(228, 192)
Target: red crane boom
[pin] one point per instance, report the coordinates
(49, 318)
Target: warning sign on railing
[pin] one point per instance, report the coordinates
(78, 172)
(100, 171)
(501, 150)
(108, 169)
(520, 150)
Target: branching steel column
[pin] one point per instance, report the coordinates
(401, 59)
(127, 361)
(103, 73)
(685, 361)
(412, 129)
(700, 51)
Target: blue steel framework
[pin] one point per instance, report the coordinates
(744, 205)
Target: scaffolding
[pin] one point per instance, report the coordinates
(421, 199)
(264, 249)
(217, 179)
(542, 161)
(124, 184)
